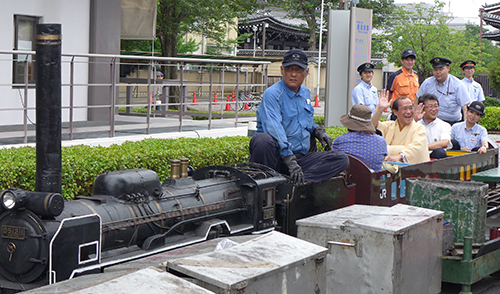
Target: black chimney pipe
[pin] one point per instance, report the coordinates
(48, 108)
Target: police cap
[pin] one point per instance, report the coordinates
(366, 67)
(468, 63)
(439, 62)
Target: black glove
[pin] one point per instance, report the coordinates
(325, 139)
(294, 168)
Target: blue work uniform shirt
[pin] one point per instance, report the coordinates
(475, 90)
(469, 138)
(452, 95)
(288, 117)
(365, 94)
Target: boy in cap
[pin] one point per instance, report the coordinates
(361, 140)
(468, 135)
(474, 88)
(365, 93)
(451, 92)
(404, 82)
(286, 134)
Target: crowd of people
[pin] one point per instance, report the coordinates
(427, 119)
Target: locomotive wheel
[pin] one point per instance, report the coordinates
(23, 246)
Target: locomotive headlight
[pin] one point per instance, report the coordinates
(8, 200)
(44, 204)
(12, 198)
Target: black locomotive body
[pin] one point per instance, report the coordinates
(130, 215)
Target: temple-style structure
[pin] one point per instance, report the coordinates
(273, 32)
(490, 14)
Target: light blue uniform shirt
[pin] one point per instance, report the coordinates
(475, 90)
(468, 138)
(288, 117)
(365, 94)
(452, 95)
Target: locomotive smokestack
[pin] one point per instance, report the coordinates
(48, 108)
(175, 169)
(184, 167)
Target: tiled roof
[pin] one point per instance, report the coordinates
(278, 15)
(492, 20)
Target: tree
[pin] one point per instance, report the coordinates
(310, 11)
(187, 47)
(494, 68)
(209, 18)
(425, 30)
(488, 49)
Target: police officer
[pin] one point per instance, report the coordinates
(451, 91)
(365, 93)
(286, 134)
(474, 88)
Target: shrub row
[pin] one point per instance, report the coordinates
(491, 119)
(82, 164)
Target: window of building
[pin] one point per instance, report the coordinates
(24, 40)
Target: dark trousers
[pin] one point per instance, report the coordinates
(456, 146)
(452, 122)
(318, 167)
(438, 153)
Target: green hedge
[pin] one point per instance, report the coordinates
(490, 101)
(82, 164)
(491, 119)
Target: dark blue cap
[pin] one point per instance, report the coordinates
(295, 57)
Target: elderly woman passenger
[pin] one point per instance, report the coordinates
(361, 140)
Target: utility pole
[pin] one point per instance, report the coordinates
(319, 49)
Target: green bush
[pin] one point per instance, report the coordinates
(81, 164)
(320, 120)
(490, 101)
(491, 119)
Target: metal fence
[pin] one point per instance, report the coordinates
(109, 92)
(484, 80)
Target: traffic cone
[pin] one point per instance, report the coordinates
(246, 104)
(228, 107)
(232, 95)
(194, 98)
(215, 98)
(316, 102)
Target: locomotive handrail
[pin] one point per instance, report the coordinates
(150, 240)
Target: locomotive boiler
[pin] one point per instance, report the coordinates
(130, 215)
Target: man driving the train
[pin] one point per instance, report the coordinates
(406, 140)
(286, 134)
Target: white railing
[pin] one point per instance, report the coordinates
(91, 83)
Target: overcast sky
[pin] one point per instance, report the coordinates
(468, 9)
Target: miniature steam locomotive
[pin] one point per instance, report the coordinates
(131, 215)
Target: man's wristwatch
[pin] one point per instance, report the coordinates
(403, 157)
